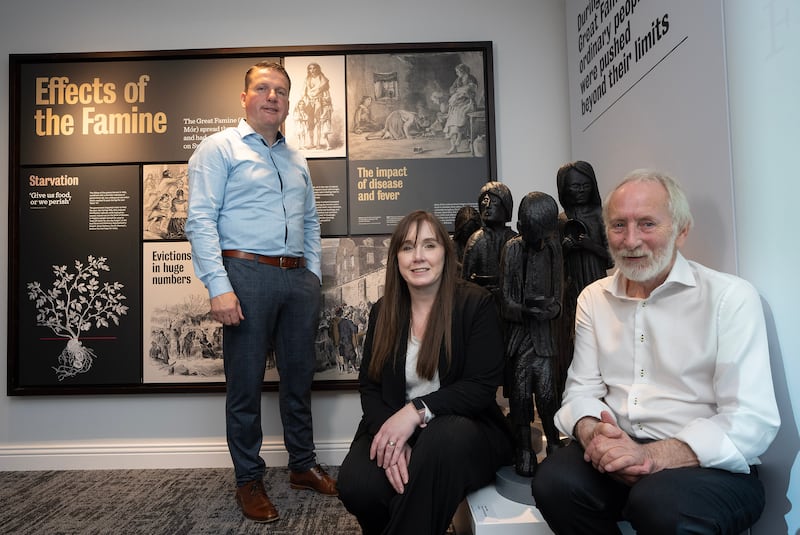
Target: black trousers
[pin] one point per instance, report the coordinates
(451, 458)
(574, 498)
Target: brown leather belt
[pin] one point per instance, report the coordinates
(284, 262)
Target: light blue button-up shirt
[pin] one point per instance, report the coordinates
(246, 195)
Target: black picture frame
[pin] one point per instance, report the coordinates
(98, 141)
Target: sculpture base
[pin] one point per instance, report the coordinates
(513, 486)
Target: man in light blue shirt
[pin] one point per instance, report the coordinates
(255, 236)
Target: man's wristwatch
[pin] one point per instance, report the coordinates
(422, 410)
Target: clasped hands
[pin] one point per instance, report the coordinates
(612, 451)
(390, 448)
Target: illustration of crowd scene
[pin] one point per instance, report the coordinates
(165, 202)
(185, 341)
(340, 338)
(190, 344)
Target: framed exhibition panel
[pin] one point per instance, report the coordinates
(103, 297)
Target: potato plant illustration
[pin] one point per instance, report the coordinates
(76, 303)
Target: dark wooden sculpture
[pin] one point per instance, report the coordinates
(482, 253)
(531, 293)
(585, 249)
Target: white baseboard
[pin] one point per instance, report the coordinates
(140, 455)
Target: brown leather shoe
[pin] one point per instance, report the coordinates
(255, 504)
(314, 479)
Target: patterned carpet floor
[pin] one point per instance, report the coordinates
(152, 502)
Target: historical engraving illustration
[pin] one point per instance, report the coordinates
(316, 122)
(165, 202)
(416, 105)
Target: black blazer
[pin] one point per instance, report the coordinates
(467, 388)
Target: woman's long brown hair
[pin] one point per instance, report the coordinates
(395, 312)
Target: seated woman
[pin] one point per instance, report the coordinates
(433, 360)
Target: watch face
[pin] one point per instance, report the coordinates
(418, 404)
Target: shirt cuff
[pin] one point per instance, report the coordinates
(219, 286)
(712, 447)
(428, 414)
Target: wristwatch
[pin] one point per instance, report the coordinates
(422, 410)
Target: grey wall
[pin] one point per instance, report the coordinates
(762, 49)
(642, 118)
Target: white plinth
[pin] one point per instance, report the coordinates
(486, 512)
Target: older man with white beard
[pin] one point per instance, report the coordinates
(669, 397)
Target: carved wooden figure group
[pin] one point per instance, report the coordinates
(536, 276)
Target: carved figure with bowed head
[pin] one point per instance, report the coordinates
(531, 285)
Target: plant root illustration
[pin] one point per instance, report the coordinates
(77, 302)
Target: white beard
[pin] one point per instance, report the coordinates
(657, 262)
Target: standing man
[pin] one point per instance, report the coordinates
(669, 396)
(256, 246)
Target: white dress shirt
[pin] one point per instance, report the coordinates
(689, 362)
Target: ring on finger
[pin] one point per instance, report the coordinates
(392, 443)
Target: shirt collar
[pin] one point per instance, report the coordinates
(681, 273)
(245, 130)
